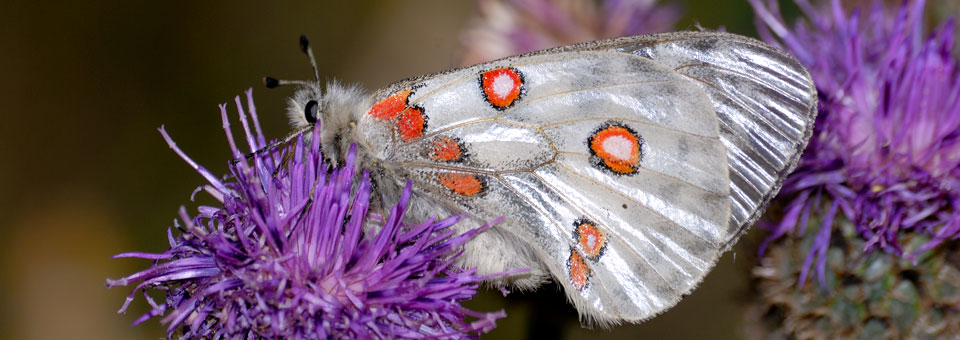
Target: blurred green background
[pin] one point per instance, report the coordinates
(85, 175)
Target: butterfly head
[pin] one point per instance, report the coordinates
(335, 107)
(305, 108)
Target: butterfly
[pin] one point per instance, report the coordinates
(624, 168)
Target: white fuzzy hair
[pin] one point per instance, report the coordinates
(340, 108)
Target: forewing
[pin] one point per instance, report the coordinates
(608, 164)
(765, 100)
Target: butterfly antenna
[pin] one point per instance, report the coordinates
(272, 82)
(305, 48)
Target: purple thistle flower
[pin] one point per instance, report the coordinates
(511, 27)
(290, 255)
(885, 151)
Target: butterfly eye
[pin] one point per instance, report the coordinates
(310, 111)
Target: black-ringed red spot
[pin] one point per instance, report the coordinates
(461, 183)
(578, 269)
(412, 123)
(447, 149)
(591, 240)
(390, 107)
(502, 87)
(616, 147)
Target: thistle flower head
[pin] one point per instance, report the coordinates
(885, 150)
(510, 27)
(289, 255)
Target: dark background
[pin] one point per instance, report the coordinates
(85, 175)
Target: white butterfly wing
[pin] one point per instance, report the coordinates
(765, 100)
(620, 173)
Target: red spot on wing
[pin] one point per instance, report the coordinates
(501, 95)
(625, 161)
(579, 271)
(460, 183)
(388, 108)
(446, 149)
(412, 123)
(590, 238)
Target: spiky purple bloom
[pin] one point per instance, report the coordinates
(290, 255)
(885, 151)
(511, 27)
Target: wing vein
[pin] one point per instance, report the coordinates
(661, 174)
(477, 68)
(543, 97)
(552, 221)
(762, 82)
(599, 221)
(643, 122)
(644, 206)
